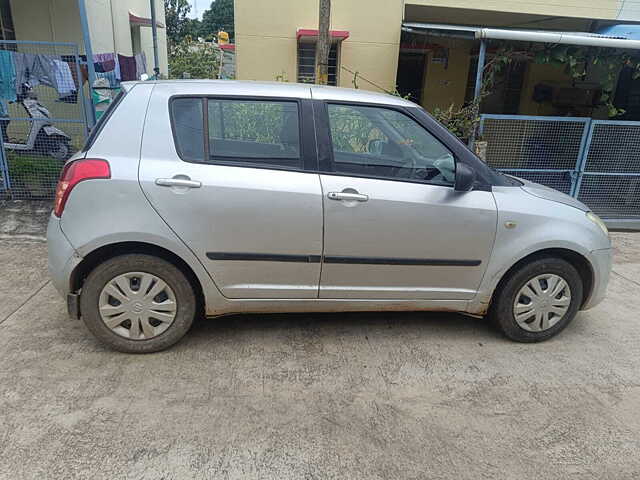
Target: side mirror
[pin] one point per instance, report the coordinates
(465, 177)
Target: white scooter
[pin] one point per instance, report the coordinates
(43, 138)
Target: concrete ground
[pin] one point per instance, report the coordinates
(371, 396)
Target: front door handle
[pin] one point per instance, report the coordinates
(178, 182)
(348, 196)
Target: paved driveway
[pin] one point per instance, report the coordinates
(371, 396)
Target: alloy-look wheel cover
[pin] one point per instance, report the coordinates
(137, 305)
(542, 302)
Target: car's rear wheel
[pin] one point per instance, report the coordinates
(137, 303)
(538, 300)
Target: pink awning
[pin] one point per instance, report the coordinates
(312, 34)
(142, 21)
(229, 46)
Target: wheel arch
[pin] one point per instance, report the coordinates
(577, 260)
(105, 252)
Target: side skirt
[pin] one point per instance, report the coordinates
(337, 305)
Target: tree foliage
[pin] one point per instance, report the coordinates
(578, 60)
(178, 25)
(196, 59)
(218, 17)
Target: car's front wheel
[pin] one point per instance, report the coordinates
(137, 303)
(538, 300)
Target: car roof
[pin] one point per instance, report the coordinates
(274, 89)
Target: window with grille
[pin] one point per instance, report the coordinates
(307, 63)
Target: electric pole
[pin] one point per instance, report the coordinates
(323, 45)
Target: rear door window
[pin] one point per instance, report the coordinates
(258, 132)
(237, 132)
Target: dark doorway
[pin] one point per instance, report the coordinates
(410, 77)
(627, 95)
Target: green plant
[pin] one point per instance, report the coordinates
(464, 121)
(34, 174)
(178, 24)
(218, 17)
(577, 61)
(249, 121)
(197, 59)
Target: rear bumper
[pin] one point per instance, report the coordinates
(601, 260)
(62, 257)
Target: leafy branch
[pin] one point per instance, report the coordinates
(578, 60)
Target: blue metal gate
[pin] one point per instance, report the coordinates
(597, 161)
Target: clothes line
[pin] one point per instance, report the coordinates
(60, 73)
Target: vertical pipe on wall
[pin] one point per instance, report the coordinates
(88, 52)
(154, 31)
(481, 61)
(482, 55)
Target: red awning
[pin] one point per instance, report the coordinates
(312, 34)
(229, 46)
(142, 21)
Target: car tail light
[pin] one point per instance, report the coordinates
(74, 173)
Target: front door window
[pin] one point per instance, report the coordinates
(384, 143)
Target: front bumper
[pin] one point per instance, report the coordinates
(601, 260)
(62, 257)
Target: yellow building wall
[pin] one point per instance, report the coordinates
(266, 44)
(446, 84)
(597, 9)
(46, 20)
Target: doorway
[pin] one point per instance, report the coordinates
(410, 76)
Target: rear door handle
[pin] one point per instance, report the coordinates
(178, 182)
(352, 197)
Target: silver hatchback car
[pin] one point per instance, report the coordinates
(215, 197)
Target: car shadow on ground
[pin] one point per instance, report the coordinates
(441, 325)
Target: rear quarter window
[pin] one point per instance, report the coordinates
(102, 121)
(187, 119)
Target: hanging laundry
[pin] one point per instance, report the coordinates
(141, 64)
(110, 77)
(37, 69)
(64, 79)
(7, 81)
(45, 70)
(24, 64)
(101, 95)
(74, 73)
(127, 67)
(66, 86)
(106, 67)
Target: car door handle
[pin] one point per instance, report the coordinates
(352, 197)
(178, 182)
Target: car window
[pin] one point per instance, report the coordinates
(254, 131)
(382, 142)
(102, 121)
(188, 127)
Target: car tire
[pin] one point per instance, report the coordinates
(516, 308)
(106, 292)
